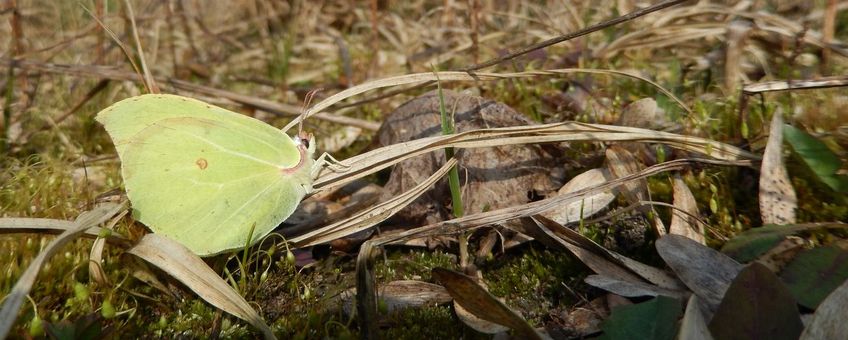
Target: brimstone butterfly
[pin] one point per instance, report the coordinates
(205, 176)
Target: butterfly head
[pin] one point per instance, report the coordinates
(306, 141)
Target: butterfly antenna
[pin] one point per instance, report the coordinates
(306, 102)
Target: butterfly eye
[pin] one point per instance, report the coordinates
(300, 141)
(304, 139)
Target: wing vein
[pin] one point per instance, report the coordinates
(246, 203)
(228, 151)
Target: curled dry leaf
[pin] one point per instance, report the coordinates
(401, 294)
(704, 270)
(340, 204)
(20, 225)
(777, 196)
(590, 204)
(481, 303)
(183, 265)
(478, 324)
(683, 217)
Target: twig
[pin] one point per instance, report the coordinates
(244, 100)
(594, 28)
(148, 78)
(546, 43)
(803, 84)
(828, 29)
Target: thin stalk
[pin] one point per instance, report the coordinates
(453, 176)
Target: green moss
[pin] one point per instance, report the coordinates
(531, 280)
(412, 264)
(428, 323)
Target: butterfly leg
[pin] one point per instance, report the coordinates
(331, 163)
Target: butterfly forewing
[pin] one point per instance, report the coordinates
(205, 178)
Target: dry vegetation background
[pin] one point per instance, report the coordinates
(59, 67)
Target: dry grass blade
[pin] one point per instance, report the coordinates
(658, 37)
(464, 76)
(369, 217)
(737, 35)
(148, 77)
(13, 225)
(481, 303)
(376, 160)
(103, 72)
(801, 84)
(596, 27)
(777, 196)
(651, 274)
(366, 291)
(183, 265)
(537, 207)
(13, 301)
(95, 258)
(683, 221)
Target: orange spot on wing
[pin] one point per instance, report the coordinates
(202, 163)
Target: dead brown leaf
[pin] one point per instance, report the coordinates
(590, 204)
(481, 303)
